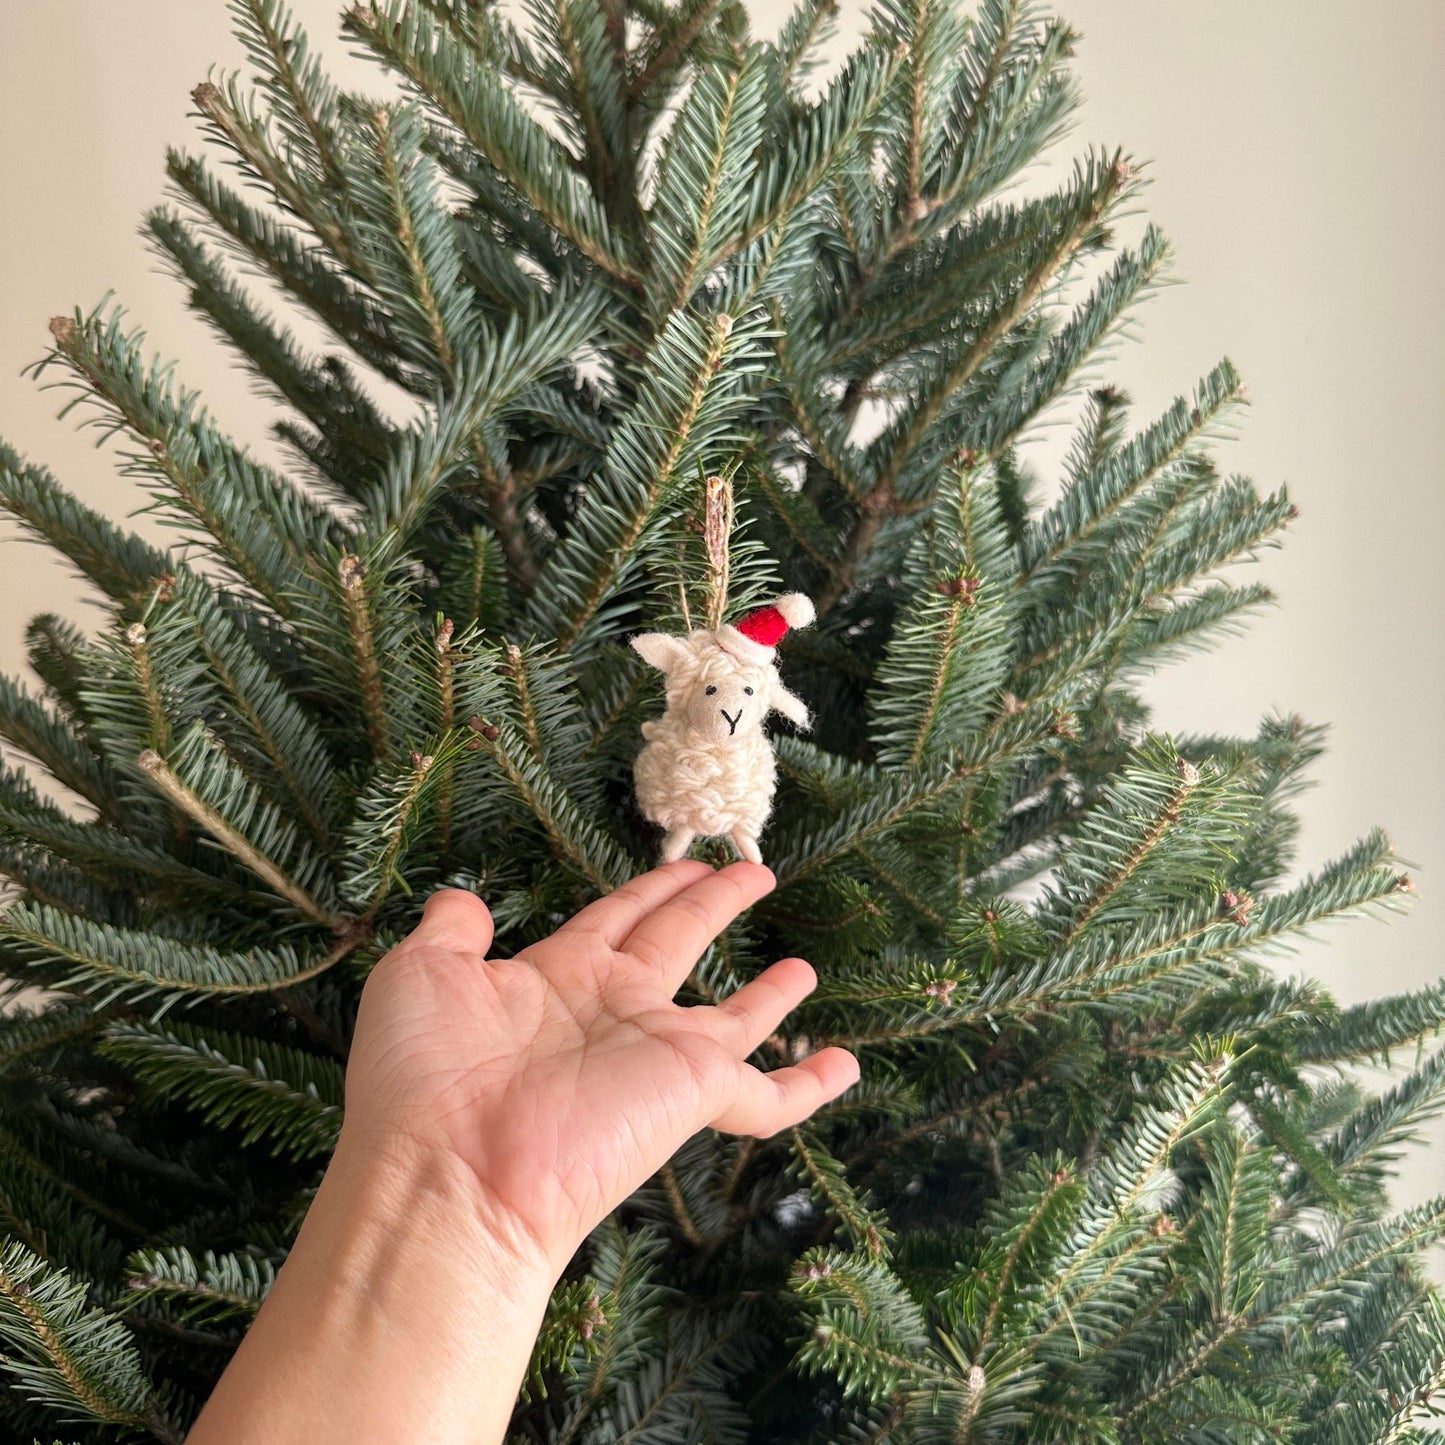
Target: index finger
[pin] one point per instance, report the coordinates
(613, 916)
(672, 938)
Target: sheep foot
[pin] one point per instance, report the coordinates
(676, 844)
(746, 844)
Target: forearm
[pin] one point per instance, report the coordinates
(399, 1316)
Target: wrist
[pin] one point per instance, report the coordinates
(406, 1310)
(389, 1188)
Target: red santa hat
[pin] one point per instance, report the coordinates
(755, 637)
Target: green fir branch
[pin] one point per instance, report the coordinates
(289, 1100)
(207, 1291)
(75, 1358)
(113, 964)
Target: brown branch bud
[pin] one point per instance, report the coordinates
(964, 588)
(1236, 905)
(593, 1319)
(1065, 724)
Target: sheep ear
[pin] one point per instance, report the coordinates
(790, 705)
(659, 650)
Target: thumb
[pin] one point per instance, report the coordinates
(456, 919)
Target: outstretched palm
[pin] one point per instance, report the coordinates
(565, 1076)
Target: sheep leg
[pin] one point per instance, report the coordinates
(676, 844)
(746, 844)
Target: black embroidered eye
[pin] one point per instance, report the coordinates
(710, 691)
(748, 690)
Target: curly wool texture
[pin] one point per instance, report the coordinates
(708, 769)
(701, 786)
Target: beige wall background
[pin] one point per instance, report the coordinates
(1296, 164)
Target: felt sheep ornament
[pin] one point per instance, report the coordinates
(707, 770)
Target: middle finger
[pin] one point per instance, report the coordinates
(671, 939)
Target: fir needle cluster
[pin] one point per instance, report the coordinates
(1108, 1176)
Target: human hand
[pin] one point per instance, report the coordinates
(564, 1077)
(495, 1111)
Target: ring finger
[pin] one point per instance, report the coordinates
(747, 1017)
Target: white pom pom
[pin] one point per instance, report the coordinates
(797, 610)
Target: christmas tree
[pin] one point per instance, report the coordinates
(1107, 1175)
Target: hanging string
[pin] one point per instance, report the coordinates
(717, 527)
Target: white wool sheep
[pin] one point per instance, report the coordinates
(707, 769)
